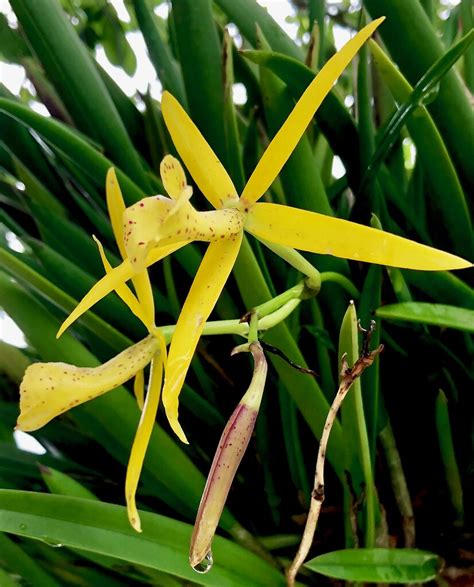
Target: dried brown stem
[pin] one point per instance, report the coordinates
(348, 376)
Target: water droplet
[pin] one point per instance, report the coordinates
(205, 565)
(430, 95)
(50, 542)
(23, 526)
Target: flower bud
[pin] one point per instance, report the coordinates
(231, 448)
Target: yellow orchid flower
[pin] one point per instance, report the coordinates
(156, 226)
(50, 389)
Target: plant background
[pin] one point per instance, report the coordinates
(417, 401)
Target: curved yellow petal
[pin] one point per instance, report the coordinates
(141, 281)
(317, 233)
(123, 290)
(139, 388)
(49, 389)
(172, 176)
(201, 161)
(206, 288)
(142, 438)
(120, 274)
(294, 126)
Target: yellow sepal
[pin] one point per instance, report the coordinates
(310, 231)
(286, 139)
(201, 161)
(205, 290)
(142, 438)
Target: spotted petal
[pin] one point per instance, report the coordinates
(49, 389)
(294, 126)
(206, 288)
(172, 176)
(201, 161)
(309, 231)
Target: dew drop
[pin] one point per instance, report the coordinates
(23, 526)
(50, 542)
(205, 565)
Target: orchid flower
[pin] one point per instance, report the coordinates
(157, 225)
(50, 389)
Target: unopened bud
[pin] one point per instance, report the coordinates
(232, 446)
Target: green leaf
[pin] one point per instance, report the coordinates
(200, 57)
(13, 48)
(377, 565)
(103, 528)
(74, 146)
(448, 457)
(167, 69)
(421, 47)
(450, 201)
(62, 484)
(246, 14)
(13, 556)
(354, 427)
(57, 45)
(440, 315)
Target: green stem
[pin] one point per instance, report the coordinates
(341, 280)
(296, 260)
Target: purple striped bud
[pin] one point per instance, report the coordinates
(232, 446)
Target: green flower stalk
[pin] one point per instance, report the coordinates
(232, 446)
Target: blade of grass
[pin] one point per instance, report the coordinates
(13, 556)
(103, 528)
(40, 284)
(200, 58)
(354, 428)
(163, 61)
(73, 146)
(440, 315)
(419, 50)
(449, 200)
(57, 45)
(448, 457)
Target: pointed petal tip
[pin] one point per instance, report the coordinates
(177, 429)
(133, 515)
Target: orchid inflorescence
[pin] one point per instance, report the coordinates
(156, 226)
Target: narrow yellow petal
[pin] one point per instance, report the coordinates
(123, 290)
(172, 176)
(141, 281)
(139, 388)
(142, 438)
(293, 128)
(206, 288)
(116, 208)
(49, 389)
(317, 233)
(142, 284)
(104, 286)
(120, 274)
(201, 161)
